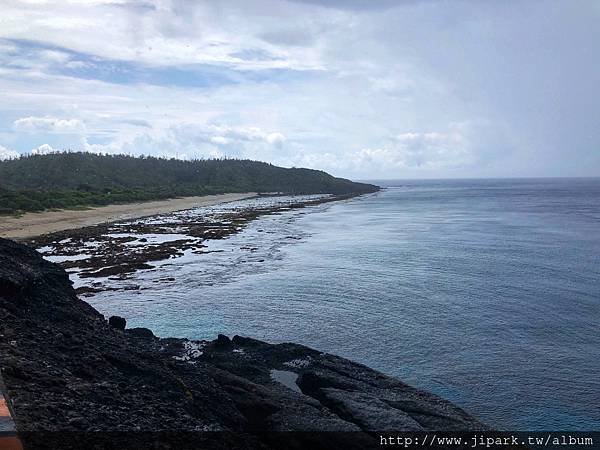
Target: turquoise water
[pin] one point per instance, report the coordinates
(485, 292)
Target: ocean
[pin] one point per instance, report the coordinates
(486, 292)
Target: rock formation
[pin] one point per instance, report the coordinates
(67, 370)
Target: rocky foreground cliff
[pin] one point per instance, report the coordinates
(71, 375)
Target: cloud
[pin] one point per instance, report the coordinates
(192, 140)
(241, 134)
(34, 124)
(460, 146)
(431, 150)
(137, 122)
(290, 36)
(157, 34)
(7, 153)
(451, 150)
(55, 56)
(276, 139)
(364, 89)
(43, 149)
(359, 4)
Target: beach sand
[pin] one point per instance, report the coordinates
(36, 224)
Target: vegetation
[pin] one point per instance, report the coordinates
(72, 180)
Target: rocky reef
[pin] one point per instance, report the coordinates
(72, 374)
(116, 250)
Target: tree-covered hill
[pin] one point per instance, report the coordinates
(71, 180)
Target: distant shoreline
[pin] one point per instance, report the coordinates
(117, 249)
(36, 224)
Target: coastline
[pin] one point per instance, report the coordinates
(73, 375)
(118, 249)
(31, 225)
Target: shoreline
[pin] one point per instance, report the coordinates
(31, 225)
(73, 375)
(117, 250)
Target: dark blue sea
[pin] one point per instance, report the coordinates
(484, 292)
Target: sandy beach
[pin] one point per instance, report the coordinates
(36, 224)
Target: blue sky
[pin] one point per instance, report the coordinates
(362, 89)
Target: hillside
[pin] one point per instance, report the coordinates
(71, 180)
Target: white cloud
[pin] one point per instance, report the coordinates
(413, 153)
(220, 140)
(43, 149)
(456, 147)
(275, 138)
(7, 153)
(34, 124)
(185, 141)
(159, 32)
(418, 89)
(54, 56)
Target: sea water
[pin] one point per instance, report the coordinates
(484, 292)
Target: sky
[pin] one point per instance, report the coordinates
(361, 89)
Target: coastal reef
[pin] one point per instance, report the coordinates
(114, 251)
(71, 374)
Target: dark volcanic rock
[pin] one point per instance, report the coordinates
(117, 322)
(67, 369)
(141, 332)
(222, 342)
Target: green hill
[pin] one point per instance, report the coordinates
(71, 180)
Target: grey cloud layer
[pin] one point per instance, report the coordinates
(362, 89)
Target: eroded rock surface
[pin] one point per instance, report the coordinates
(119, 249)
(66, 369)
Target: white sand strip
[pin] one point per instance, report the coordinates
(36, 224)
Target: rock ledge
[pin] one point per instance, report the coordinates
(67, 370)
